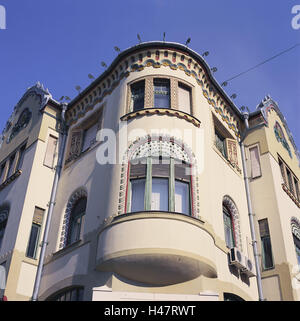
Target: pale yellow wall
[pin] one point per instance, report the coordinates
(272, 202)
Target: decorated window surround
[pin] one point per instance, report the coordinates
(281, 137)
(231, 145)
(76, 136)
(178, 149)
(149, 92)
(232, 208)
(290, 187)
(77, 195)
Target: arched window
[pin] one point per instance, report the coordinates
(228, 227)
(3, 221)
(74, 293)
(74, 218)
(157, 175)
(231, 223)
(232, 297)
(295, 224)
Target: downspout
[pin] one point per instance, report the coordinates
(250, 212)
(51, 205)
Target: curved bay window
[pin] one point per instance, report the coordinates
(159, 184)
(228, 227)
(76, 221)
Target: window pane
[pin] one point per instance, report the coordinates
(229, 238)
(50, 151)
(137, 95)
(220, 143)
(2, 173)
(33, 240)
(21, 157)
(137, 194)
(75, 228)
(76, 220)
(89, 137)
(11, 166)
(160, 194)
(255, 162)
(182, 197)
(267, 252)
(184, 98)
(161, 93)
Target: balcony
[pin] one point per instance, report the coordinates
(157, 248)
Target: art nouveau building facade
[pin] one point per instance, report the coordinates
(151, 201)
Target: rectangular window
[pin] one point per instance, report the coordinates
(255, 162)
(161, 93)
(160, 194)
(182, 197)
(137, 95)
(35, 232)
(281, 165)
(50, 151)
(137, 194)
(290, 181)
(21, 157)
(2, 173)
(184, 98)
(297, 189)
(220, 143)
(89, 137)
(266, 248)
(11, 166)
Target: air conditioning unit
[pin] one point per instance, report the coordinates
(237, 258)
(249, 269)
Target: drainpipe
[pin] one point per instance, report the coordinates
(250, 212)
(51, 205)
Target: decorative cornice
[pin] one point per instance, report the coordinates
(162, 111)
(38, 90)
(144, 60)
(268, 104)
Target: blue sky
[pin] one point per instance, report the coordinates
(59, 42)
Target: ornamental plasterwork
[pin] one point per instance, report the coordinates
(158, 145)
(77, 195)
(266, 106)
(21, 124)
(139, 62)
(36, 90)
(295, 225)
(281, 138)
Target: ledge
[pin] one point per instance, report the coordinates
(162, 111)
(10, 179)
(290, 194)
